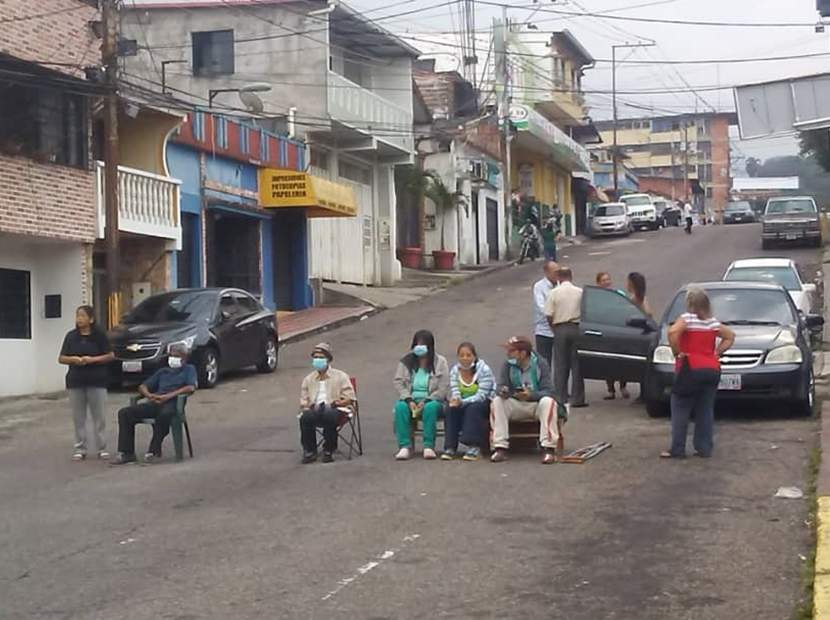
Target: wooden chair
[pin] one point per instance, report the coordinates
(177, 422)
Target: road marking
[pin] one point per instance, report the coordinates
(372, 565)
(598, 253)
(624, 242)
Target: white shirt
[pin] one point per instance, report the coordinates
(322, 393)
(687, 210)
(540, 295)
(564, 304)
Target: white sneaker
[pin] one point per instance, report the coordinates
(403, 454)
(429, 454)
(103, 455)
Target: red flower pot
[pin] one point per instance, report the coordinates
(411, 257)
(444, 261)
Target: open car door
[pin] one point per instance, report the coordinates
(616, 338)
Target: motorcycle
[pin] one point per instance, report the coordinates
(531, 247)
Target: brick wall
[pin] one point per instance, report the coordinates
(664, 187)
(46, 199)
(721, 181)
(54, 31)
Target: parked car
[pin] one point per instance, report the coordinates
(224, 328)
(738, 212)
(781, 271)
(668, 214)
(610, 219)
(791, 218)
(771, 360)
(641, 211)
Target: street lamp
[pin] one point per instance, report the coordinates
(257, 87)
(164, 64)
(614, 49)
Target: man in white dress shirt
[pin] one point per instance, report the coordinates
(541, 328)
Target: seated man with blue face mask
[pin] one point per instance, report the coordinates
(161, 391)
(323, 394)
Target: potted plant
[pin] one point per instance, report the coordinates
(414, 181)
(445, 200)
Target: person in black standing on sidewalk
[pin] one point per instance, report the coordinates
(87, 352)
(161, 391)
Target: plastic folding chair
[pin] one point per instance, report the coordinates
(348, 428)
(177, 422)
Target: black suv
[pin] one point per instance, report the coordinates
(224, 329)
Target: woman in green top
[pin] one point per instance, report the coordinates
(422, 382)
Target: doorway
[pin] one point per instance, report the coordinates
(492, 208)
(233, 251)
(474, 197)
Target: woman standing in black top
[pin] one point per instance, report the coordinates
(87, 352)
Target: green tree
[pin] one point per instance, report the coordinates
(816, 145)
(444, 198)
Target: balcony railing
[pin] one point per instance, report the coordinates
(362, 109)
(148, 204)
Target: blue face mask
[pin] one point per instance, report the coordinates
(512, 361)
(420, 350)
(319, 363)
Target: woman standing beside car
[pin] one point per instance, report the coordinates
(87, 352)
(694, 341)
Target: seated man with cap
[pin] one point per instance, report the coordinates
(523, 392)
(324, 395)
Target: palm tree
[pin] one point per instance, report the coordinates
(444, 199)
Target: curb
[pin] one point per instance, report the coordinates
(333, 325)
(821, 580)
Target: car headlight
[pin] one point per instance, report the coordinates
(187, 343)
(663, 355)
(788, 354)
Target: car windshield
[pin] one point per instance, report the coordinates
(742, 307)
(800, 205)
(738, 206)
(184, 306)
(609, 210)
(784, 276)
(636, 201)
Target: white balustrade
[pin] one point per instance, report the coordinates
(148, 204)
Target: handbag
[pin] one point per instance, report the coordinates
(689, 381)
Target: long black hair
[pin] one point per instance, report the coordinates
(638, 285)
(410, 360)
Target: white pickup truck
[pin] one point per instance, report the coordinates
(641, 211)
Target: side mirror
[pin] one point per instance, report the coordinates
(814, 320)
(810, 288)
(641, 322)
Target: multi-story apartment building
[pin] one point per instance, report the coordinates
(336, 79)
(47, 185)
(677, 156)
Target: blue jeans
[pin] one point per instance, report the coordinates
(466, 421)
(702, 406)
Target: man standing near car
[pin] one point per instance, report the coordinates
(687, 214)
(542, 330)
(563, 310)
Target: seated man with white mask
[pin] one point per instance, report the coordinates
(324, 394)
(161, 391)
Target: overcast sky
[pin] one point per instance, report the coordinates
(673, 42)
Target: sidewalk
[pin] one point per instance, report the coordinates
(298, 325)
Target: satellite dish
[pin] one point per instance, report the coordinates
(251, 101)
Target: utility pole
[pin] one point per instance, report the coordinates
(614, 156)
(109, 48)
(500, 31)
(686, 156)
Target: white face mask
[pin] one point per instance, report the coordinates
(174, 362)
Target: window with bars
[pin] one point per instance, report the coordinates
(15, 304)
(213, 53)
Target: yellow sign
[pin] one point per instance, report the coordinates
(289, 188)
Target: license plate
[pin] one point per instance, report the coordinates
(131, 366)
(730, 382)
(791, 236)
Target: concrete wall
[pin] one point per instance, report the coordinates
(295, 66)
(56, 268)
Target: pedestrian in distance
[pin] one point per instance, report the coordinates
(603, 280)
(87, 353)
(161, 392)
(541, 329)
(326, 393)
(422, 382)
(550, 233)
(563, 310)
(688, 214)
(472, 386)
(697, 340)
(524, 392)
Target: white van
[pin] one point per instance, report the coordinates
(641, 210)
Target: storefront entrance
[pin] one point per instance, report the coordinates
(233, 251)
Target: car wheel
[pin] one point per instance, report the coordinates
(270, 356)
(806, 407)
(207, 368)
(657, 409)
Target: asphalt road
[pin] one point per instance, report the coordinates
(245, 531)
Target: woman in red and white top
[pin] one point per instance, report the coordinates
(700, 338)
